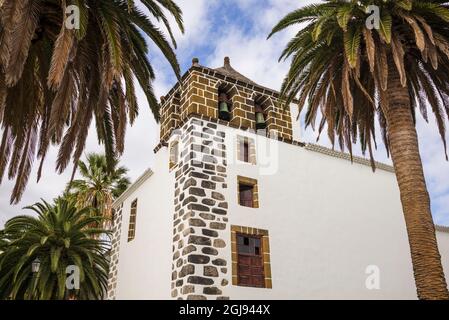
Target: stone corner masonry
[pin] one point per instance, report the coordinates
(200, 222)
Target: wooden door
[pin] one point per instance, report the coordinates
(250, 261)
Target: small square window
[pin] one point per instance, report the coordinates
(248, 192)
(246, 195)
(174, 154)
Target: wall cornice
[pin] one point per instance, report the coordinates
(347, 156)
(133, 187)
(442, 228)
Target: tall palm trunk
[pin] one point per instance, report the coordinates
(426, 259)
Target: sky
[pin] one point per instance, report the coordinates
(215, 29)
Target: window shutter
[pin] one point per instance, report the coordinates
(246, 196)
(250, 269)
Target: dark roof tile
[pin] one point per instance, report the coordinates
(229, 71)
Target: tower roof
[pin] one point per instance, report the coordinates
(229, 71)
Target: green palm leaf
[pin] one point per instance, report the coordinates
(22, 245)
(352, 40)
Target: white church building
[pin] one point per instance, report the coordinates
(236, 207)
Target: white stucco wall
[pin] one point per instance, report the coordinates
(144, 269)
(443, 245)
(328, 221)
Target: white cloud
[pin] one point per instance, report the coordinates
(197, 22)
(251, 53)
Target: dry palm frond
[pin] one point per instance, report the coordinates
(25, 24)
(63, 47)
(54, 80)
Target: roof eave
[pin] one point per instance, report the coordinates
(133, 187)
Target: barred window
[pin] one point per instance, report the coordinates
(132, 221)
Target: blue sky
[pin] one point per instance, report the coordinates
(215, 29)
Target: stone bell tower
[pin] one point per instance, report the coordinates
(202, 90)
(194, 116)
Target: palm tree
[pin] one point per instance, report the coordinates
(56, 77)
(350, 72)
(98, 187)
(59, 237)
(3, 242)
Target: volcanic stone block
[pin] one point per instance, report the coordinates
(189, 183)
(210, 271)
(189, 200)
(188, 231)
(200, 280)
(208, 131)
(217, 225)
(196, 297)
(219, 262)
(186, 270)
(208, 202)
(210, 233)
(210, 159)
(208, 185)
(210, 251)
(198, 259)
(188, 289)
(188, 249)
(218, 211)
(198, 207)
(197, 192)
(223, 205)
(218, 196)
(219, 243)
(197, 223)
(218, 179)
(207, 216)
(199, 175)
(199, 240)
(212, 290)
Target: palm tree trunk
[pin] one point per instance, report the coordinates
(426, 259)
